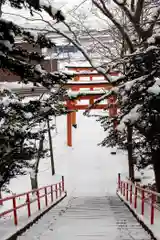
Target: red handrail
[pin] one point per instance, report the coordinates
(57, 188)
(132, 192)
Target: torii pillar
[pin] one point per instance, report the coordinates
(69, 124)
(113, 108)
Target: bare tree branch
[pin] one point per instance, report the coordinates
(100, 43)
(75, 42)
(134, 19)
(109, 15)
(74, 34)
(153, 23)
(139, 10)
(133, 5)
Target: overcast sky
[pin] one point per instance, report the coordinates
(71, 8)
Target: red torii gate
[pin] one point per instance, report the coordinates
(91, 96)
(71, 105)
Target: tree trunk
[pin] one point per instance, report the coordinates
(0, 8)
(130, 152)
(51, 148)
(156, 166)
(34, 181)
(34, 174)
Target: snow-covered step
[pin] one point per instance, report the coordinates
(88, 218)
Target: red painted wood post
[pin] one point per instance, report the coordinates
(91, 79)
(1, 202)
(114, 106)
(153, 199)
(56, 189)
(28, 205)
(60, 189)
(73, 114)
(110, 106)
(121, 187)
(62, 183)
(127, 191)
(119, 181)
(91, 101)
(124, 189)
(74, 123)
(135, 197)
(15, 211)
(38, 200)
(142, 201)
(46, 199)
(51, 193)
(131, 193)
(76, 79)
(69, 125)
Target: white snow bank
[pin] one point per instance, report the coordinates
(131, 117)
(85, 166)
(155, 89)
(146, 175)
(12, 85)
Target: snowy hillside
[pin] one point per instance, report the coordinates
(83, 155)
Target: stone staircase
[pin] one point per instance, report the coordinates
(88, 218)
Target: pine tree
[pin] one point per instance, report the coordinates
(19, 120)
(17, 59)
(138, 91)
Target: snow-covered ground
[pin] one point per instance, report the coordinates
(88, 169)
(90, 179)
(91, 210)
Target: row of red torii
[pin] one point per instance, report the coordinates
(77, 84)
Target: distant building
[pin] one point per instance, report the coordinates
(66, 49)
(48, 64)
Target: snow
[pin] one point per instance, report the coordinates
(99, 80)
(131, 117)
(48, 4)
(84, 92)
(146, 175)
(86, 166)
(7, 44)
(87, 218)
(90, 180)
(152, 47)
(151, 40)
(7, 100)
(39, 69)
(101, 70)
(155, 89)
(128, 85)
(12, 85)
(28, 115)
